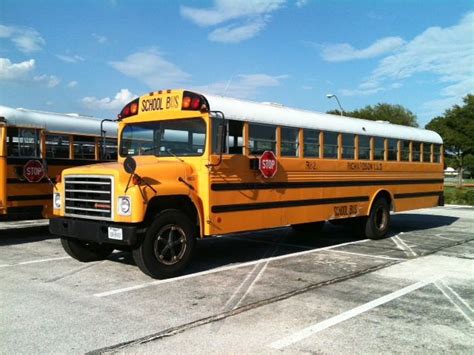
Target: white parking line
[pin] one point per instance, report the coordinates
(403, 246)
(224, 268)
(366, 255)
(457, 301)
(35, 261)
(315, 328)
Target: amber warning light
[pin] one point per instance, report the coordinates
(131, 109)
(194, 102)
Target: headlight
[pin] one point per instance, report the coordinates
(124, 206)
(57, 200)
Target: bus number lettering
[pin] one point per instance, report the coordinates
(310, 165)
(346, 210)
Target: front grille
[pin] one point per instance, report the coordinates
(88, 196)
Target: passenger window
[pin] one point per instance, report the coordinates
(364, 147)
(330, 145)
(236, 139)
(392, 149)
(348, 147)
(110, 151)
(84, 147)
(415, 151)
(437, 153)
(405, 154)
(261, 138)
(311, 143)
(426, 152)
(57, 146)
(379, 148)
(23, 142)
(289, 142)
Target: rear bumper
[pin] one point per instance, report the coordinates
(93, 231)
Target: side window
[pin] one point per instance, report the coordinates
(109, 152)
(392, 149)
(236, 139)
(57, 146)
(364, 147)
(23, 142)
(311, 143)
(348, 147)
(437, 153)
(261, 138)
(289, 142)
(84, 147)
(405, 150)
(415, 151)
(379, 148)
(426, 152)
(330, 145)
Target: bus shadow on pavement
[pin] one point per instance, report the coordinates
(408, 222)
(24, 235)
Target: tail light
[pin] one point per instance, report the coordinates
(194, 102)
(58, 179)
(131, 109)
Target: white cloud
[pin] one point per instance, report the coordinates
(50, 80)
(15, 71)
(72, 84)
(70, 58)
(344, 51)
(152, 69)
(248, 18)
(123, 97)
(99, 38)
(301, 3)
(235, 34)
(243, 85)
(26, 40)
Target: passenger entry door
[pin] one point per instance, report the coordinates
(3, 167)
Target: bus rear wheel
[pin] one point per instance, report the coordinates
(167, 246)
(86, 251)
(376, 225)
(313, 227)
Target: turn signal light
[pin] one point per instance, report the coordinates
(58, 179)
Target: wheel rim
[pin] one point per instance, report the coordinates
(170, 244)
(381, 218)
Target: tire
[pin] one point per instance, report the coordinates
(376, 225)
(167, 246)
(313, 227)
(86, 251)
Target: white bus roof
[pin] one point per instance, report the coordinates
(56, 122)
(276, 114)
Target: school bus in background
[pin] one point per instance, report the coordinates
(190, 166)
(35, 146)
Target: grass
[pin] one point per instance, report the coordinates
(455, 196)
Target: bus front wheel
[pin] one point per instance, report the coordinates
(167, 246)
(376, 225)
(86, 251)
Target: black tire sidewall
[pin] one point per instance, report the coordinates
(371, 230)
(86, 251)
(148, 262)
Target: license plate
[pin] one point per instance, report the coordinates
(115, 233)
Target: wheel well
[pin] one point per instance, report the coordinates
(175, 202)
(385, 195)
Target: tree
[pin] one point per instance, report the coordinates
(383, 112)
(456, 127)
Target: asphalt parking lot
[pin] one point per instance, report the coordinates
(262, 292)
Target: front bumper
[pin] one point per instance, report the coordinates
(93, 231)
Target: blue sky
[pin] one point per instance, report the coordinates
(92, 56)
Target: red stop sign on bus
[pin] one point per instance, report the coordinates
(267, 164)
(33, 171)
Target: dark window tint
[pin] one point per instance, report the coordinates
(348, 146)
(416, 151)
(311, 143)
(57, 146)
(289, 142)
(330, 145)
(392, 149)
(261, 138)
(109, 151)
(379, 148)
(426, 152)
(23, 142)
(405, 151)
(364, 147)
(437, 153)
(84, 147)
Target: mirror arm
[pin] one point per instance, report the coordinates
(210, 165)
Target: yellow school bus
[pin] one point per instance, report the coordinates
(36, 146)
(195, 166)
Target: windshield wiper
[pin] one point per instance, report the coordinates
(171, 153)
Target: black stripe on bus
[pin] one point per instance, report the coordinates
(56, 162)
(284, 204)
(18, 181)
(418, 194)
(29, 197)
(311, 184)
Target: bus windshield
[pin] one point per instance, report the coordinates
(164, 138)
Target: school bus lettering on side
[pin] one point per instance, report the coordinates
(196, 166)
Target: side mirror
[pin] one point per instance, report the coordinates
(130, 165)
(221, 138)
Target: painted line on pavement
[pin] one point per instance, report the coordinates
(367, 255)
(456, 300)
(403, 246)
(35, 261)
